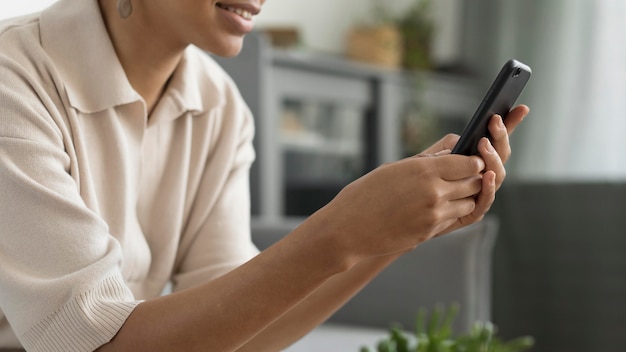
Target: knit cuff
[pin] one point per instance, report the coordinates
(86, 322)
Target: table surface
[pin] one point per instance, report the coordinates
(332, 337)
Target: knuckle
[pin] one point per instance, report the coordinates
(450, 137)
(507, 152)
(477, 185)
(475, 164)
(432, 196)
(432, 219)
(471, 207)
(427, 175)
(502, 174)
(478, 218)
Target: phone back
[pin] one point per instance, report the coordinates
(499, 99)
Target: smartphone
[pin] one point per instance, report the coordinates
(499, 99)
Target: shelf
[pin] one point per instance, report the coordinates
(322, 120)
(313, 143)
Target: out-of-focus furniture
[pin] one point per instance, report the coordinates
(322, 121)
(455, 268)
(560, 264)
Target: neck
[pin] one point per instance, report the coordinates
(148, 58)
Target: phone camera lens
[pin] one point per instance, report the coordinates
(517, 72)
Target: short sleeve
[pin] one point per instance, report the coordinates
(61, 287)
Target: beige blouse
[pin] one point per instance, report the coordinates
(100, 206)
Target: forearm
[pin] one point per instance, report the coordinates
(225, 313)
(317, 307)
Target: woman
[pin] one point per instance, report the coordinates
(124, 157)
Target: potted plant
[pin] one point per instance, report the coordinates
(436, 336)
(417, 28)
(399, 40)
(377, 41)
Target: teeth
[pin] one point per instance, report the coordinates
(241, 12)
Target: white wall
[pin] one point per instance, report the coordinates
(577, 51)
(324, 24)
(13, 8)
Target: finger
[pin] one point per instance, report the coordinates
(483, 201)
(486, 197)
(447, 142)
(455, 211)
(443, 152)
(439, 153)
(465, 188)
(461, 208)
(475, 208)
(515, 116)
(492, 160)
(500, 137)
(454, 167)
(479, 206)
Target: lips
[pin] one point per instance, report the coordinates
(244, 11)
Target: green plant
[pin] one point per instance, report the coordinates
(416, 25)
(435, 335)
(417, 28)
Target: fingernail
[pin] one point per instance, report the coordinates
(501, 122)
(489, 146)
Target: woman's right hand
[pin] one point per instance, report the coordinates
(402, 204)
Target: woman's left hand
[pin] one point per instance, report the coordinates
(495, 153)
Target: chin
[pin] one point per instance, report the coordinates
(231, 53)
(225, 49)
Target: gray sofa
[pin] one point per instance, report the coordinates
(455, 268)
(560, 264)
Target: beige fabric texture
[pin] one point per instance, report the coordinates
(100, 205)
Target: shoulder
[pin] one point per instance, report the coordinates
(19, 36)
(21, 52)
(16, 24)
(28, 93)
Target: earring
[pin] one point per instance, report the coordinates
(124, 8)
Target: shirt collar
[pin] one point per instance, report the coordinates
(74, 35)
(183, 91)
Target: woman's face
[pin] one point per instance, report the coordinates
(217, 26)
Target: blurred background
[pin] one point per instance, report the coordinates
(576, 49)
(339, 87)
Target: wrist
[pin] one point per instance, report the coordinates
(333, 238)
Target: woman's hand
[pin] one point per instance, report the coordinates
(495, 153)
(400, 205)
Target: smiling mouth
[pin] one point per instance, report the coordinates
(239, 11)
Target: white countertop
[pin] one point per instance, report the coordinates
(332, 337)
